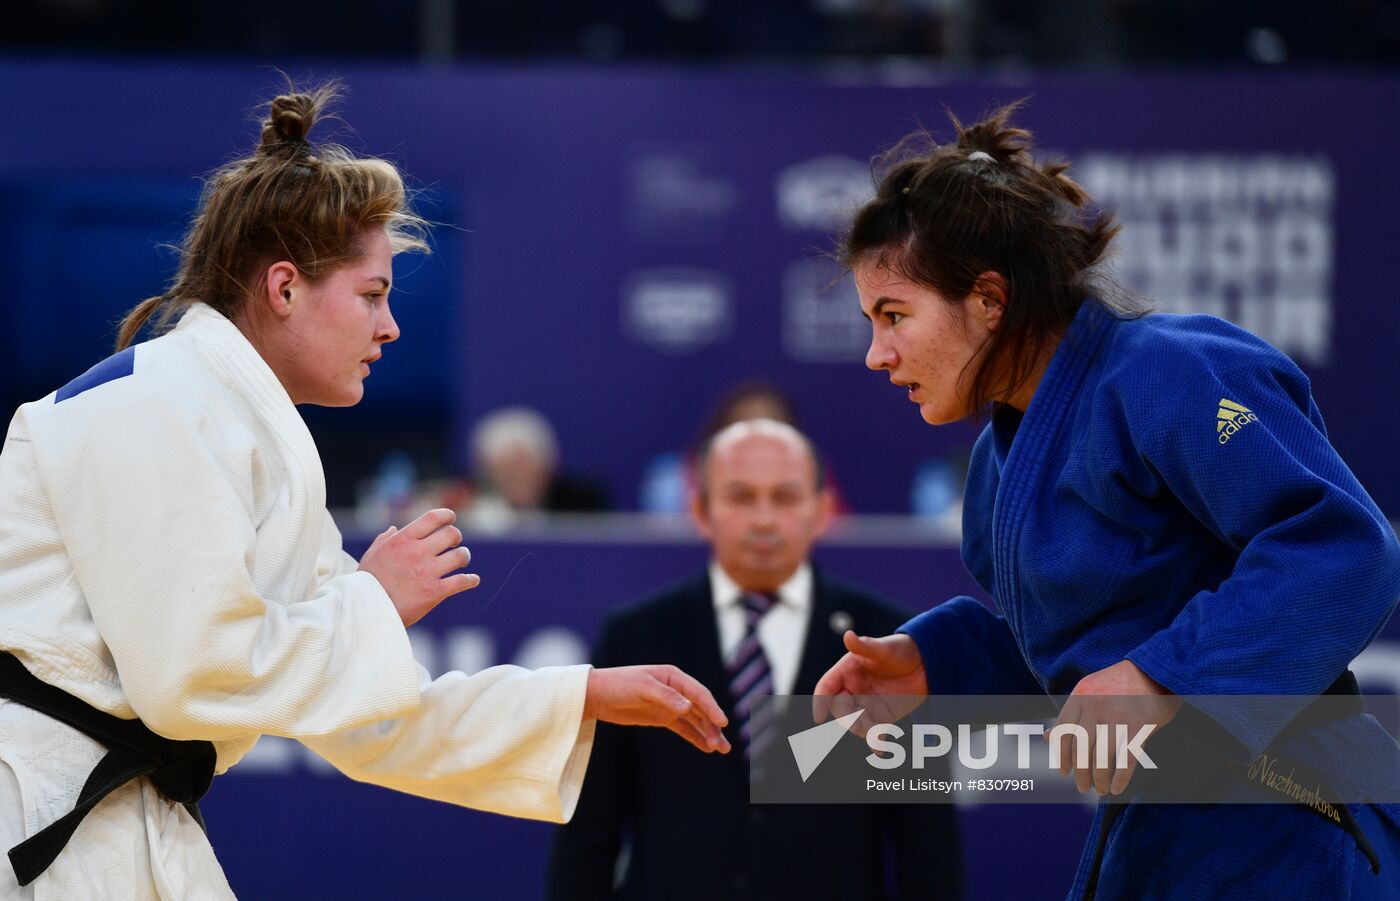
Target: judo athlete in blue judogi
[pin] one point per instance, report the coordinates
(1154, 506)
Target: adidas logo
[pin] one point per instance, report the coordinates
(1231, 418)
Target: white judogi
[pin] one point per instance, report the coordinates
(165, 553)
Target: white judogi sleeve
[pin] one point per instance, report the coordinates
(153, 494)
(506, 740)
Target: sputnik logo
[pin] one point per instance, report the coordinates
(811, 746)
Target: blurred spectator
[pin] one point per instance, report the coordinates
(751, 399)
(669, 479)
(517, 469)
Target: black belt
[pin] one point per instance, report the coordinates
(1312, 716)
(182, 770)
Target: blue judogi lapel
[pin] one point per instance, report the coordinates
(1025, 444)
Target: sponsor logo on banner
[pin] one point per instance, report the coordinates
(1246, 238)
(821, 314)
(677, 310)
(671, 197)
(822, 194)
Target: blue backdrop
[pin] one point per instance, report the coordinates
(621, 245)
(631, 240)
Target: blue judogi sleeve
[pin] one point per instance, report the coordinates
(966, 648)
(1318, 566)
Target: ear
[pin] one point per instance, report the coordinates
(283, 281)
(826, 512)
(987, 300)
(700, 513)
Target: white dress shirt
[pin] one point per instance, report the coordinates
(783, 630)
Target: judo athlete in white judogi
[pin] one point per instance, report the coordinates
(166, 556)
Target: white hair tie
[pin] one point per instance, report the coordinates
(981, 155)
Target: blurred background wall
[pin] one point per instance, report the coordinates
(635, 203)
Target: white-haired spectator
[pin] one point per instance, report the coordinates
(515, 454)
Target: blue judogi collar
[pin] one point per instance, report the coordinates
(1022, 442)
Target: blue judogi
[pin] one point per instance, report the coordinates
(1170, 497)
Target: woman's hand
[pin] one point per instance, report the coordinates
(657, 695)
(1122, 695)
(885, 676)
(416, 564)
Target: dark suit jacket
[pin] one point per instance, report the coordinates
(693, 833)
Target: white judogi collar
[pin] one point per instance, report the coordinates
(239, 365)
(234, 356)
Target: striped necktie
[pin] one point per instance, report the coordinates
(750, 678)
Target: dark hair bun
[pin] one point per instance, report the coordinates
(997, 137)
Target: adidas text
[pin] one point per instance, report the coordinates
(1230, 418)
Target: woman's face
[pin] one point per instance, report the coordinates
(334, 328)
(924, 342)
